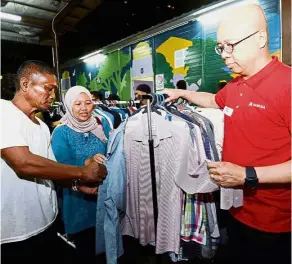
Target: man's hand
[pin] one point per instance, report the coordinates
(227, 174)
(94, 172)
(174, 94)
(88, 161)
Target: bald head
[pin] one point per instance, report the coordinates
(242, 21)
(243, 39)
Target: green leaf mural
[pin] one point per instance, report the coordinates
(82, 80)
(163, 67)
(92, 85)
(205, 64)
(110, 71)
(213, 68)
(96, 85)
(194, 60)
(125, 91)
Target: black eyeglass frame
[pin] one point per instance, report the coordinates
(229, 47)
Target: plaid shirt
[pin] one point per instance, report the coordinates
(194, 219)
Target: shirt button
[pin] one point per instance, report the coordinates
(241, 94)
(237, 106)
(244, 83)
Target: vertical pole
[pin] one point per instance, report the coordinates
(152, 167)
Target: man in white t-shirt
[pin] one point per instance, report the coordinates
(28, 199)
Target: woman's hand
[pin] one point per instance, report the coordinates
(99, 158)
(88, 189)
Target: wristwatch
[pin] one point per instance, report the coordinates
(75, 184)
(251, 178)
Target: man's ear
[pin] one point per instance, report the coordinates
(23, 84)
(263, 38)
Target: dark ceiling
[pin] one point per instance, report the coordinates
(105, 22)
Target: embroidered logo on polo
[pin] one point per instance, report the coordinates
(257, 105)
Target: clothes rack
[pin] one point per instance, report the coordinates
(150, 99)
(152, 168)
(117, 102)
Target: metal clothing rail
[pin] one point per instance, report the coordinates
(117, 102)
(56, 104)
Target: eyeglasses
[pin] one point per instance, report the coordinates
(228, 47)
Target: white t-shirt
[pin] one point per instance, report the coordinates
(28, 207)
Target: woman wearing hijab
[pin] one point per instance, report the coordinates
(78, 140)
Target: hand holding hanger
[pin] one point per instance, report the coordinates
(173, 94)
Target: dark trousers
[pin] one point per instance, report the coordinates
(247, 245)
(85, 245)
(45, 247)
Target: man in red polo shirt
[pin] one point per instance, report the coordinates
(257, 138)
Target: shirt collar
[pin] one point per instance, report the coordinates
(255, 80)
(159, 129)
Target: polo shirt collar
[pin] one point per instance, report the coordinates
(256, 79)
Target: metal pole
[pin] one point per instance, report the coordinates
(56, 58)
(152, 167)
(149, 119)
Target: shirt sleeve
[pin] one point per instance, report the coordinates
(106, 127)
(11, 128)
(62, 150)
(220, 98)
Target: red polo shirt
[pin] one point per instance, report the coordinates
(257, 133)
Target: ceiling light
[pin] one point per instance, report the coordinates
(216, 15)
(95, 60)
(10, 16)
(90, 55)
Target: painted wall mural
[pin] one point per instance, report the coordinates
(142, 63)
(184, 53)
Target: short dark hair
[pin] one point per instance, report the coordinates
(29, 67)
(97, 95)
(181, 84)
(113, 97)
(7, 86)
(144, 88)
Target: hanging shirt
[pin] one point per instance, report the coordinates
(107, 116)
(172, 144)
(111, 203)
(216, 116)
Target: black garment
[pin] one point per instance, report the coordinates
(247, 245)
(49, 120)
(45, 247)
(85, 245)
